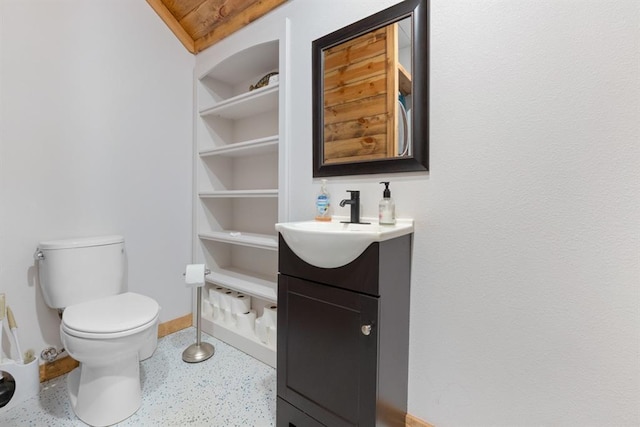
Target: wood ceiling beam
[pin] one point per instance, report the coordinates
(211, 14)
(180, 8)
(235, 22)
(199, 24)
(165, 14)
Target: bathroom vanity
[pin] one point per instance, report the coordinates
(343, 332)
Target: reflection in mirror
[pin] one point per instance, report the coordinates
(366, 94)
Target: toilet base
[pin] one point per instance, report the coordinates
(103, 395)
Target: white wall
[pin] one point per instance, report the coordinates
(525, 291)
(96, 131)
(532, 230)
(526, 271)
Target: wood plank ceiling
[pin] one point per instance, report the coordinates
(200, 23)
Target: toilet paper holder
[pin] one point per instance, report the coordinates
(206, 273)
(200, 350)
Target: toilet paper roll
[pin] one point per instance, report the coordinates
(270, 315)
(217, 313)
(225, 299)
(194, 275)
(261, 330)
(207, 308)
(272, 336)
(228, 318)
(215, 294)
(246, 322)
(240, 303)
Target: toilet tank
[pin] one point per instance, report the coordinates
(72, 271)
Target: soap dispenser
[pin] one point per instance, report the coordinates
(387, 207)
(323, 203)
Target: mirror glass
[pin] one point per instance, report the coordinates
(371, 94)
(362, 120)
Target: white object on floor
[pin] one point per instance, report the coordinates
(26, 378)
(109, 370)
(105, 328)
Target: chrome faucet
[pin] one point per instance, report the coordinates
(354, 202)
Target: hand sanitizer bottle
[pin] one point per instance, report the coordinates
(387, 207)
(323, 203)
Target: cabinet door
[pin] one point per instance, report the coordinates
(290, 416)
(327, 355)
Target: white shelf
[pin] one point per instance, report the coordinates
(246, 105)
(253, 147)
(243, 281)
(229, 194)
(248, 344)
(254, 240)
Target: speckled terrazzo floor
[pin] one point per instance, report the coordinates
(230, 389)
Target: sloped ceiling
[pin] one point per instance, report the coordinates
(200, 23)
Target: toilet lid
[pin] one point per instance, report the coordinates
(116, 313)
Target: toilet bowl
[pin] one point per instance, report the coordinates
(108, 336)
(104, 327)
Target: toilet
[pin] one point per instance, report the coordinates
(104, 327)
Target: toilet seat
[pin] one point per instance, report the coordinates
(111, 317)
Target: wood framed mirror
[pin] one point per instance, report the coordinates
(371, 94)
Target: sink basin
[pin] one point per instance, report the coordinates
(334, 244)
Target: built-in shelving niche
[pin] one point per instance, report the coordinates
(237, 192)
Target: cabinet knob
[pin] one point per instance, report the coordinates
(366, 329)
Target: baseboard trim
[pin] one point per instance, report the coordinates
(64, 365)
(61, 366)
(175, 325)
(411, 421)
(390, 415)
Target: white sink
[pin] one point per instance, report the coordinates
(334, 244)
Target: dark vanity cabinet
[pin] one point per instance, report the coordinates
(343, 338)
